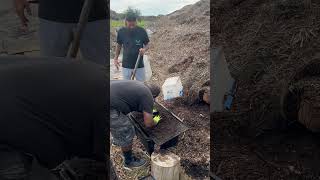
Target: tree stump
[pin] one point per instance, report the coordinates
(165, 166)
(309, 115)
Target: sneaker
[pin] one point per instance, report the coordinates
(135, 163)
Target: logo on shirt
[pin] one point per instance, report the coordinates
(138, 43)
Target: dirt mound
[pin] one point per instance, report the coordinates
(180, 47)
(265, 42)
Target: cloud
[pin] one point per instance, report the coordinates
(150, 7)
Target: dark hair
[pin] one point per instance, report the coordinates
(155, 90)
(131, 17)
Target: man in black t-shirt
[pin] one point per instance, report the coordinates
(127, 96)
(58, 20)
(51, 110)
(135, 41)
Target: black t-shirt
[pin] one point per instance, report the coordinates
(132, 40)
(68, 11)
(127, 96)
(54, 109)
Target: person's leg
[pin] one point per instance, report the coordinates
(123, 133)
(140, 75)
(15, 165)
(55, 38)
(126, 73)
(94, 42)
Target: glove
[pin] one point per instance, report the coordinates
(156, 119)
(156, 116)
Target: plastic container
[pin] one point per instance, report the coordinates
(147, 68)
(172, 88)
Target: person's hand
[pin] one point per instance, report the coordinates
(142, 51)
(116, 63)
(21, 6)
(150, 123)
(148, 120)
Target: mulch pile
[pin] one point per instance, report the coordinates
(180, 47)
(265, 42)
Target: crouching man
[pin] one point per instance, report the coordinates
(127, 96)
(53, 119)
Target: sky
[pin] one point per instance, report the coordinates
(150, 7)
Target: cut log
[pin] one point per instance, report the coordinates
(165, 166)
(309, 115)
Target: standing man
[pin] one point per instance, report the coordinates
(127, 96)
(53, 110)
(58, 21)
(134, 41)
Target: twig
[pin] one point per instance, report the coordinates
(215, 177)
(260, 156)
(219, 167)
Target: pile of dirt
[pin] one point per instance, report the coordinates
(265, 42)
(180, 47)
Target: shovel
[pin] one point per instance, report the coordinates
(81, 24)
(135, 67)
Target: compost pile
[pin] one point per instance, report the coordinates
(265, 42)
(180, 47)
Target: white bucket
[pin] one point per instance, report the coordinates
(172, 88)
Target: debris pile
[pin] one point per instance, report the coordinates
(180, 47)
(265, 43)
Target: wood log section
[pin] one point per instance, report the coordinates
(309, 106)
(165, 166)
(309, 115)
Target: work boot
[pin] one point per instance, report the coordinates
(134, 163)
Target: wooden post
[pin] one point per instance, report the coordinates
(165, 166)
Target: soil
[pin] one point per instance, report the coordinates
(265, 42)
(193, 146)
(289, 154)
(166, 129)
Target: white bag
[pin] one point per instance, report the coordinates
(147, 68)
(172, 88)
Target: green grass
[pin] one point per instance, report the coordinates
(120, 23)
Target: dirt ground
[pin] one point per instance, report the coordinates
(265, 42)
(193, 146)
(180, 47)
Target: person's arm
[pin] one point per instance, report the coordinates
(20, 6)
(116, 60)
(145, 42)
(148, 120)
(144, 49)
